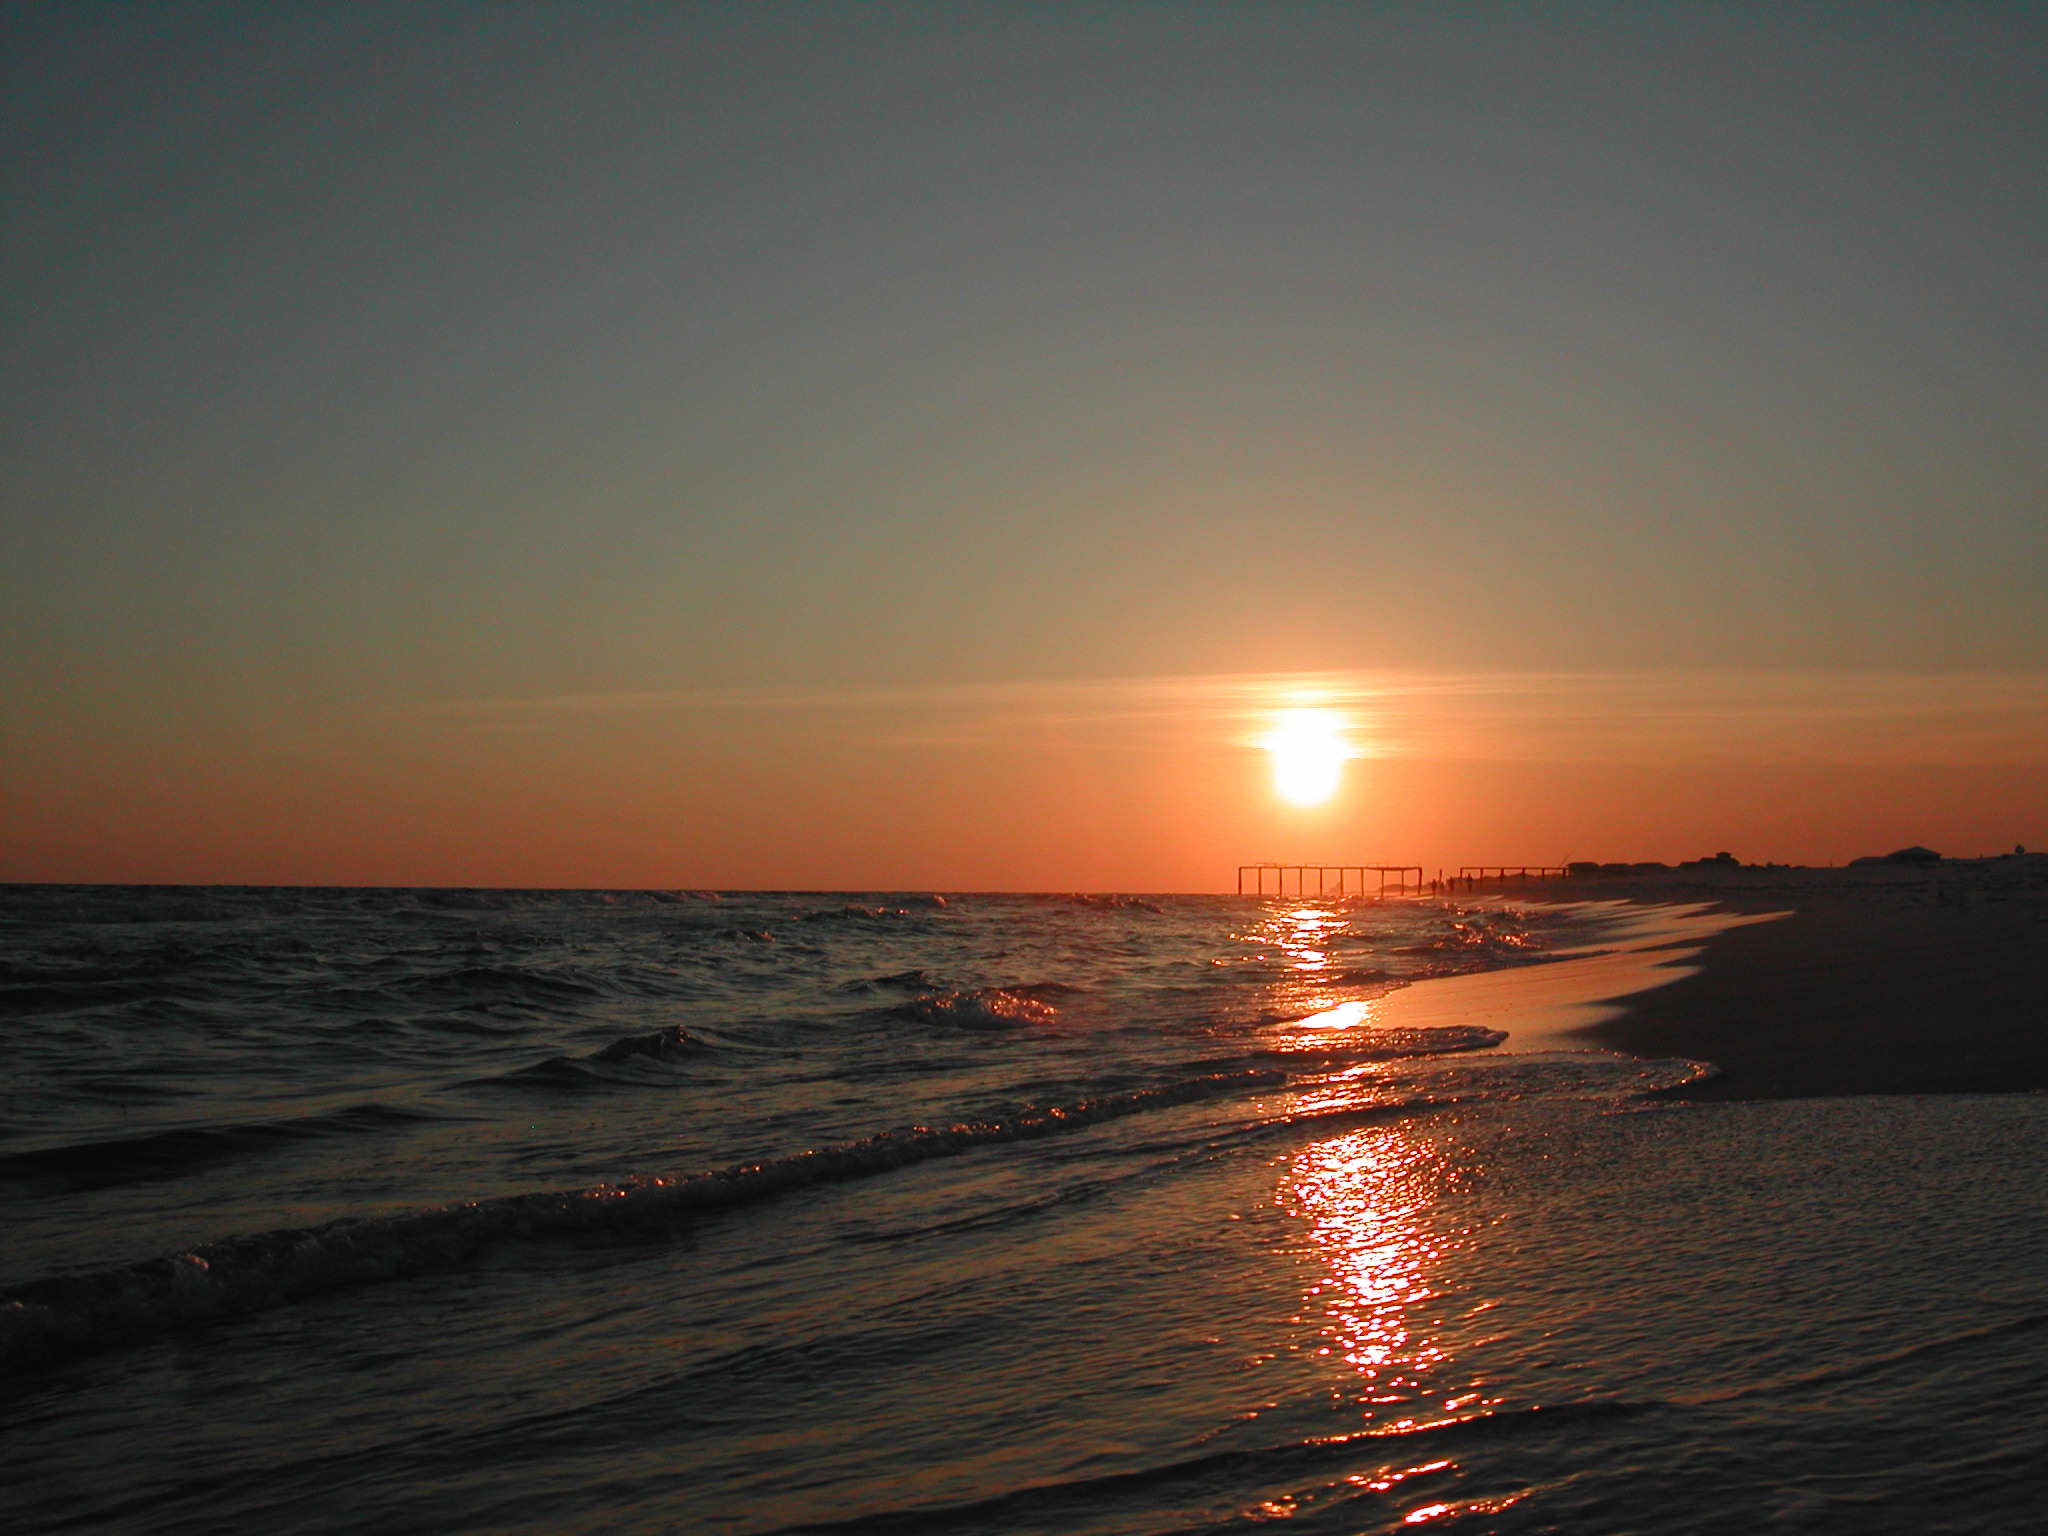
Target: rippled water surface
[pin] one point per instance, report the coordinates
(443, 1211)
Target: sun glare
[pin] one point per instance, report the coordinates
(1309, 749)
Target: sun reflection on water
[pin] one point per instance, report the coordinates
(1304, 935)
(1367, 1198)
(1319, 1016)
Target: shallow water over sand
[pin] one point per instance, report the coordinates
(1312, 1258)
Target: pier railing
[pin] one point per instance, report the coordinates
(1331, 879)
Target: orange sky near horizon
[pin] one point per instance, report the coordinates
(1154, 785)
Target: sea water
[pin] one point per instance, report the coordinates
(438, 1211)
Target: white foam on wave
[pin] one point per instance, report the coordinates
(988, 1008)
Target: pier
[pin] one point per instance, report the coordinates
(1389, 879)
(1472, 876)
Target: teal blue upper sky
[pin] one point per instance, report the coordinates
(387, 353)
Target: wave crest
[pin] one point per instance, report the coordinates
(985, 1008)
(48, 1321)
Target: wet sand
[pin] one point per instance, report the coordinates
(1548, 1007)
(1880, 980)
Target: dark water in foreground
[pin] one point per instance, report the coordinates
(1191, 1242)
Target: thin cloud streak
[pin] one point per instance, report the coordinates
(1615, 717)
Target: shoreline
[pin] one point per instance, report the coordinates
(1549, 1006)
(1872, 981)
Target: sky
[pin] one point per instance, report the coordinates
(880, 446)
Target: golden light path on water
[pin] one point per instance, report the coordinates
(1376, 1245)
(1365, 1197)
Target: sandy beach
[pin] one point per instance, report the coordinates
(1877, 979)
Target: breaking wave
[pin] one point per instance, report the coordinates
(47, 1321)
(986, 1008)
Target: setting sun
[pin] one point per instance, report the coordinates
(1308, 750)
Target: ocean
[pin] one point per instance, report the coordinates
(446, 1211)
